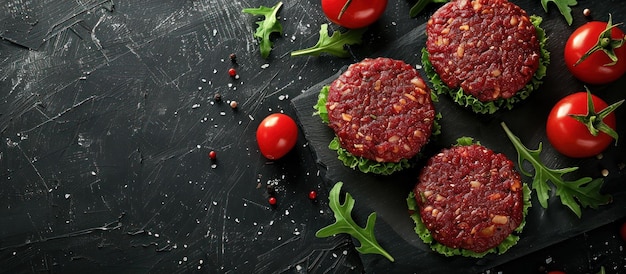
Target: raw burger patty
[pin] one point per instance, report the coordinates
(489, 48)
(381, 110)
(470, 197)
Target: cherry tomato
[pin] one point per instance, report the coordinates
(571, 137)
(276, 135)
(353, 14)
(596, 68)
(622, 231)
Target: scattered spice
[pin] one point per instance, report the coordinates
(586, 12)
(212, 155)
(233, 104)
(272, 201)
(232, 57)
(312, 195)
(271, 190)
(232, 72)
(217, 97)
(605, 172)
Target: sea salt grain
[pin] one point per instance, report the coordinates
(605, 172)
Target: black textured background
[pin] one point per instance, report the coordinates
(107, 117)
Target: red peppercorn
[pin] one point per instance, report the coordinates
(313, 195)
(232, 72)
(272, 200)
(212, 155)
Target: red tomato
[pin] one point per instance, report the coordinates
(622, 231)
(356, 13)
(571, 137)
(594, 69)
(276, 135)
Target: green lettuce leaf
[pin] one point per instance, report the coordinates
(366, 165)
(459, 96)
(320, 107)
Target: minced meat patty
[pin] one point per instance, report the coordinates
(470, 197)
(489, 48)
(381, 110)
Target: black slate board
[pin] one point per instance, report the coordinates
(386, 194)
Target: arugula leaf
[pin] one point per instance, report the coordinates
(583, 192)
(563, 6)
(333, 44)
(421, 5)
(267, 26)
(345, 224)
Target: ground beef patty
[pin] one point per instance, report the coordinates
(470, 198)
(381, 109)
(489, 48)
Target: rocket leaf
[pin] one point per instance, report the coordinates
(345, 224)
(267, 26)
(583, 192)
(421, 5)
(334, 44)
(563, 6)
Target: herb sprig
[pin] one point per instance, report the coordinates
(563, 6)
(421, 5)
(345, 224)
(334, 44)
(266, 26)
(583, 192)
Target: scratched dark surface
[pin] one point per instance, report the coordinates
(107, 116)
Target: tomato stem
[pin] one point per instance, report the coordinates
(605, 43)
(594, 120)
(343, 9)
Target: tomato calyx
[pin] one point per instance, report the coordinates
(605, 43)
(594, 120)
